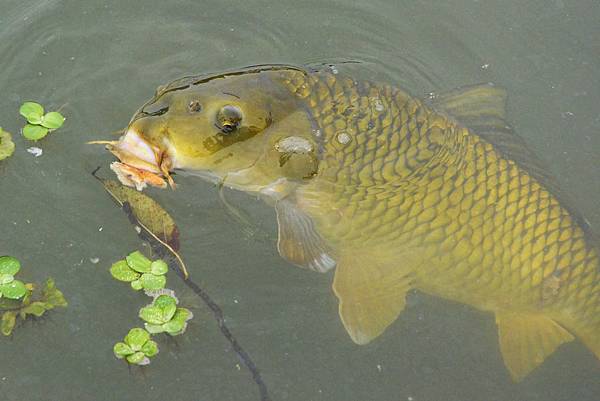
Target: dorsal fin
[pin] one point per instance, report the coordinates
(482, 109)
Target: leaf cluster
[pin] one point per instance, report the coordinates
(34, 303)
(140, 272)
(39, 122)
(163, 316)
(137, 348)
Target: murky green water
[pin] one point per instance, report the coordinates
(100, 60)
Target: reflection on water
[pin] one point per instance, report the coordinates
(103, 59)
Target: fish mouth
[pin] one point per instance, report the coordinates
(140, 163)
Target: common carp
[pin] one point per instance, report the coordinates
(394, 192)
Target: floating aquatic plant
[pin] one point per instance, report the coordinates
(7, 146)
(163, 316)
(137, 347)
(140, 272)
(9, 287)
(33, 302)
(142, 213)
(39, 122)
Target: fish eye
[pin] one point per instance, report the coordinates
(229, 119)
(194, 106)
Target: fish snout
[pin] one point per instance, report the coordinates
(132, 149)
(140, 161)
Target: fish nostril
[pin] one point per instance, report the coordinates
(194, 106)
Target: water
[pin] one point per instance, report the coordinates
(99, 60)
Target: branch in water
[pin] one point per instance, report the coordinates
(159, 249)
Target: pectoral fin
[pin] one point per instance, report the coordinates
(371, 294)
(527, 340)
(299, 242)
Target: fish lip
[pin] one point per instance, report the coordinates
(132, 149)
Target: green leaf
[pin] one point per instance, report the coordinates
(160, 311)
(159, 267)
(138, 262)
(152, 314)
(121, 350)
(55, 298)
(6, 278)
(169, 312)
(27, 298)
(36, 308)
(52, 295)
(178, 323)
(151, 282)
(137, 359)
(7, 324)
(165, 300)
(7, 146)
(183, 315)
(49, 286)
(137, 285)
(9, 265)
(154, 328)
(136, 338)
(34, 132)
(122, 272)
(32, 111)
(53, 120)
(174, 327)
(150, 348)
(13, 290)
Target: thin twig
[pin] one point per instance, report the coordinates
(158, 248)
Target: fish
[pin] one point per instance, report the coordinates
(391, 192)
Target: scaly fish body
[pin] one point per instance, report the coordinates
(398, 193)
(400, 175)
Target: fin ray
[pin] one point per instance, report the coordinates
(299, 242)
(527, 340)
(371, 295)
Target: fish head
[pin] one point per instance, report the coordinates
(246, 129)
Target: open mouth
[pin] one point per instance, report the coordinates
(140, 163)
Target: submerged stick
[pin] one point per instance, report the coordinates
(210, 303)
(242, 354)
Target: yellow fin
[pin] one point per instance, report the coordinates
(371, 294)
(474, 102)
(299, 242)
(527, 340)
